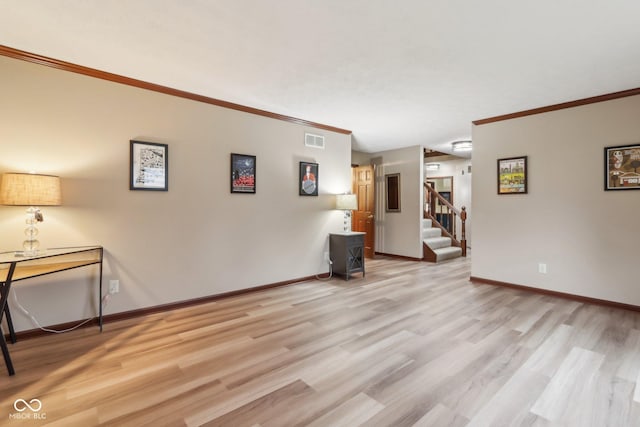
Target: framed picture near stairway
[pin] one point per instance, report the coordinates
(621, 165)
(512, 175)
(392, 192)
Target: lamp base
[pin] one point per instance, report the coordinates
(31, 248)
(31, 245)
(347, 221)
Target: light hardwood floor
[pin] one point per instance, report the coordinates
(412, 344)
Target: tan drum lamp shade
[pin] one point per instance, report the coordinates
(32, 190)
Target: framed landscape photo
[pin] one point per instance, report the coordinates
(243, 173)
(512, 175)
(308, 180)
(621, 165)
(148, 166)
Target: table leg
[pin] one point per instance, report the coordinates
(5, 353)
(4, 310)
(7, 315)
(100, 290)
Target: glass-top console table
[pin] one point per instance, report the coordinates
(14, 266)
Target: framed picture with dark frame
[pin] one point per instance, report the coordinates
(392, 192)
(308, 179)
(148, 166)
(243, 173)
(512, 175)
(621, 164)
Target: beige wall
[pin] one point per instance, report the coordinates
(359, 158)
(399, 233)
(195, 240)
(588, 238)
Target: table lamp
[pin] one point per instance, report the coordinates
(347, 203)
(32, 190)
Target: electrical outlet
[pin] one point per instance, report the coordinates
(542, 268)
(114, 286)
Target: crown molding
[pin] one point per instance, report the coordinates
(103, 75)
(562, 106)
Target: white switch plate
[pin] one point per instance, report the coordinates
(114, 286)
(542, 268)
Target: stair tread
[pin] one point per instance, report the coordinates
(436, 239)
(448, 253)
(437, 242)
(448, 249)
(430, 233)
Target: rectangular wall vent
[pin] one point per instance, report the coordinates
(315, 141)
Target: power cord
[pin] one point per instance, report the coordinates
(330, 273)
(103, 301)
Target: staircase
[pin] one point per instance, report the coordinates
(436, 247)
(439, 239)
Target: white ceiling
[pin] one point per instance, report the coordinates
(396, 73)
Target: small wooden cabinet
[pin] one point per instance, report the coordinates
(347, 253)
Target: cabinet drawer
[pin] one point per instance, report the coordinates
(357, 240)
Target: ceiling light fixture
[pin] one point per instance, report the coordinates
(459, 146)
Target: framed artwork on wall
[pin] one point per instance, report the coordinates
(148, 166)
(512, 175)
(308, 179)
(621, 164)
(243, 173)
(392, 192)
